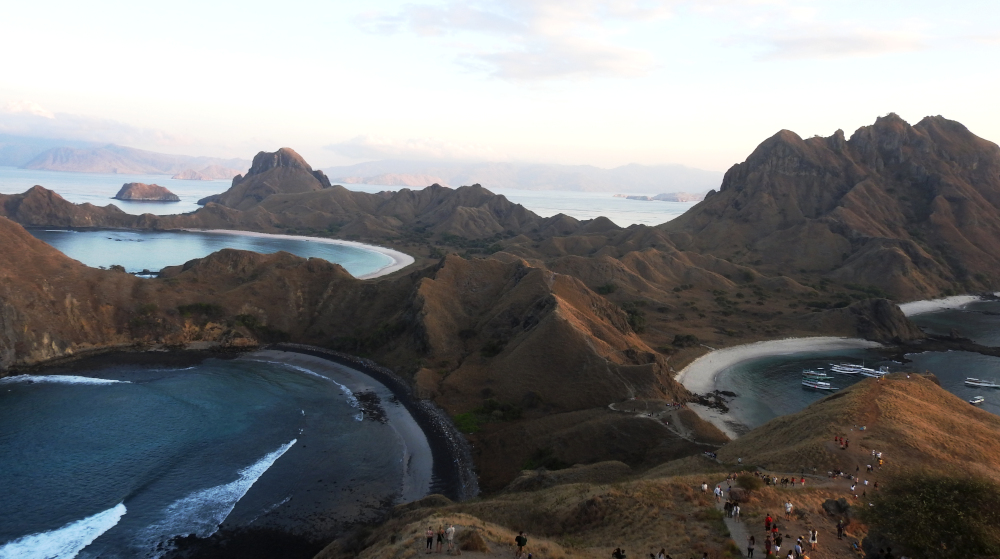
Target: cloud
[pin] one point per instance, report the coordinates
(534, 39)
(28, 107)
(375, 147)
(824, 43)
(26, 118)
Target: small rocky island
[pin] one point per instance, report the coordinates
(142, 192)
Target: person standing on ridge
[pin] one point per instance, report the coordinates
(430, 539)
(788, 510)
(520, 541)
(450, 534)
(751, 543)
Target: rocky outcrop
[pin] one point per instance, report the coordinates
(912, 210)
(280, 172)
(142, 192)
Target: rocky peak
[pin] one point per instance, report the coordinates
(284, 158)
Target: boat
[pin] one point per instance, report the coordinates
(982, 383)
(815, 375)
(976, 400)
(852, 369)
(817, 384)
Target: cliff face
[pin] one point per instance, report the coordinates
(910, 209)
(142, 192)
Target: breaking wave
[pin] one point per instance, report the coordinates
(65, 542)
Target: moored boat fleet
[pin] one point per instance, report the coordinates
(818, 379)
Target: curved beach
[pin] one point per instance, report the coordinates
(700, 375)
(914, 308)
(400, 260)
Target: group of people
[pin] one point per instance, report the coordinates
(772, 545)
(443, 536)
(844, 443)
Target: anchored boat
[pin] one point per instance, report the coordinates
(815, 375)
(981, 383)
(852, 369)
(817, 384)
(976, 400)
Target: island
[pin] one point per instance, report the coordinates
(142, 192)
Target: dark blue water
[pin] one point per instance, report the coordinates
(154, 250)
(770, 387)
(126, 463)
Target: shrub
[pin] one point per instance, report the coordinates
(932, 515)
(607, 289)
(749, 482)
(467, 422)
(208, 310)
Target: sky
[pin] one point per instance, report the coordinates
(600, 82)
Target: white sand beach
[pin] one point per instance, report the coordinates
(400, 260)
(418, 461)
(700, 376)
(914, 308)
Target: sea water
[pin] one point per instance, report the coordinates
(154, 250)
(98, 189)
(120, 461)
(772, 386)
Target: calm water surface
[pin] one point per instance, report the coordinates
(154, 250)
(98, 189)
(770, 387)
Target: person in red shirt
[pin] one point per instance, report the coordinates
(767, 523)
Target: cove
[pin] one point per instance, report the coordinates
(155, 250)
(128, 460)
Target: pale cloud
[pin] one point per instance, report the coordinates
(826, 43)
(27, 118)
(376, 147)
(535, 39)
(27, 107)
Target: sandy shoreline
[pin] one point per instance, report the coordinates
(400, 260)
(418, 462)
(700, 376)
(914, 308)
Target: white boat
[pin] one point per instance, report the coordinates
(852, 369)
(981, 383)
(815, 375)
(976, 400)
(817, 384)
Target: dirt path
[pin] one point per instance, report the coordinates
(738, 529)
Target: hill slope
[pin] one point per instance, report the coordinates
(913, 210)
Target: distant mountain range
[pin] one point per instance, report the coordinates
(89, 157)
(632, 178)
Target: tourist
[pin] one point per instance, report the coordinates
(618, 553)
(840, 529)
(718, 493)
(728, 507)
(430, 538)
(777, 544)
(662, 554)
(813, 539)
(704, 487)
(767, 523)
(751, 543)
(788, 510)
(522, 540)
(767, 546)
(440, 538)
(798, 547)
(736, 511)
(450, 535)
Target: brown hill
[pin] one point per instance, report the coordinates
(912, 210)
(142, 192)
(909, 418)
(281, 172)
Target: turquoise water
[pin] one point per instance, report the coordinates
(154, 250)
(98, 189)
(771, 386)
(118, 462)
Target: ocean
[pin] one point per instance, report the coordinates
(119, 460)
(99, 189)
(154, 250)
(771, 386)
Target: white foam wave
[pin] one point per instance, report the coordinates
(60, 231)
(65, 542)
(60, 379)
(347, 391)
(202, 512)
